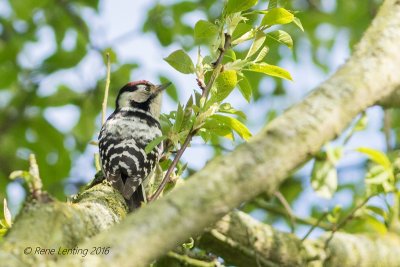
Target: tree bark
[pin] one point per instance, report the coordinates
(259, 166)
(243, 241)
(54, 225)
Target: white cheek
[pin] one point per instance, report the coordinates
(140, 96)
(124, 100)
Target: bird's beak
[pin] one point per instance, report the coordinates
(159, 88)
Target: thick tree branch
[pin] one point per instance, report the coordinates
(55, 224)
(391, 101)
(243, 241)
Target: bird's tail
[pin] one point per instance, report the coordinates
(137, 198)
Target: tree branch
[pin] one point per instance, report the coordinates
(51, 225)
(107, 86)
(240, 240)
(392, 100)
(276, 210)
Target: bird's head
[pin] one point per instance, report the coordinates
(142, 95)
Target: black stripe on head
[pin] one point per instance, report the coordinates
(143, 105)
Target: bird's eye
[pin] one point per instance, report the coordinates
(147, 88)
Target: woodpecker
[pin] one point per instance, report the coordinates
(124, 136)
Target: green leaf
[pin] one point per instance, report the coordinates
(234, 6)
(362, 123)
(230, 54)
(180, 61)
(262, 54)
(375, 225)
(272, 4)
(181, 168)
(62, 96)
(178, 118)
(240, 30)
(212, 126)
(377, 175)
(202, 116)
(189, 245)
(20, 174)
(67, 59)
(236, 65)
(9, 74)
(376, 156)
(334, 216)
(234, 124)
(205, 32)
(377, 210)
(182, 136)
(271, 70)
(224, 85)
(205, 134)
(150, 146)
(7, 214)
(245, 88)
(3, 232)
(334, 154)
(227, 108)
(23, 10)
(257, 44)
(297, 22)
(277, 16)
(246, 36)
(324, 178)
(232, 21)
(188, 119)
(281, 37)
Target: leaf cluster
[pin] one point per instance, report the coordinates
(207, 113)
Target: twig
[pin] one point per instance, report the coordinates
(97, 162)
(346, 219)
(171, 168)
(36, 183)
(103, 116)
(188, 261)
(314, 226)
(395, 210)
(274, 209)
(246, 250)
(217, 67)
(200, 84)
(387, 128)
(288, 209)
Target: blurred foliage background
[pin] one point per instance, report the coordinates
(44, 41)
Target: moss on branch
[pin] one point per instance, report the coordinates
(55, 224)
